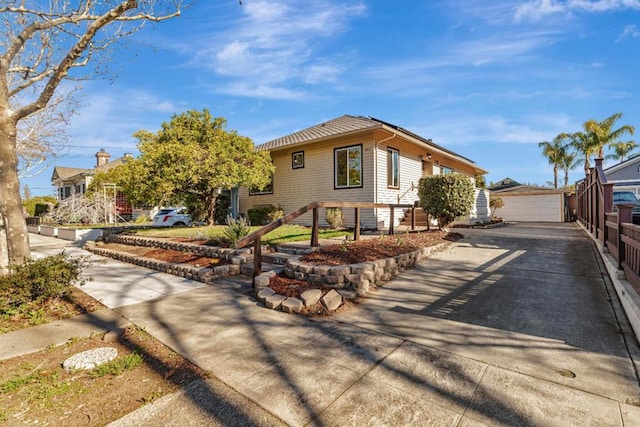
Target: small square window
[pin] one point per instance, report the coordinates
(297, 160)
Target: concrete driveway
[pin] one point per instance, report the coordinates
(511, 326)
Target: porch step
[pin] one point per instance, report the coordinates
(422, 219)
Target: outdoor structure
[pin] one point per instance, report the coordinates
(532, 203)
(625, 175)
(615, 232)
(354, 159)
(70, 181)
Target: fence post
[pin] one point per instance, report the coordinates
(391, 221)
(257, 259)
(315, 228)
(413, 218)
(607, 206)
(356, 231)
(624, 217)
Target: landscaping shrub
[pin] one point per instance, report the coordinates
(236, 229)
(38, 280)
(39, 205)
(446, 197)
(495, 203)
(276, 214)
(334, 217)
(260, 215)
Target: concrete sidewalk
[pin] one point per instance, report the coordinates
(510, 326)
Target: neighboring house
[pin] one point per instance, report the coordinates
(532, 203)
(70, 181)
(353, 159)
(625, 175)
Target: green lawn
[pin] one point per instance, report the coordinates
(284, 234)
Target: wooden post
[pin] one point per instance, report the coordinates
(607, 206)
(391, 220)
(356, 231)
(624, 217)
(413, 218)
(257, 258)
(315, 229)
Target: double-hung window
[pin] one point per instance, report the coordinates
(393, 168)
(348, 166)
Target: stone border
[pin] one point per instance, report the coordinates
(350, 281)
(207, 275)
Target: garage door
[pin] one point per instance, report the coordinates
(538, 207)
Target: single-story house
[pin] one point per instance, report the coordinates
(531, 203)
(354, 159)
(69, 181)
(625, 175)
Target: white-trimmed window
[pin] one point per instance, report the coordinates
(393, 168)
(348, 166)
(445, 170)
(297, 160)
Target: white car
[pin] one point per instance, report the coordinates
(168, 217)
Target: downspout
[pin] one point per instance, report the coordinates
(375, 169)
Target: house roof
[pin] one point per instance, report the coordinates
(622, 164)
(503, 184)
(65, 173)
(528, 189)
(345, 125)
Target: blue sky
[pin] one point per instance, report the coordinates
(488, 79)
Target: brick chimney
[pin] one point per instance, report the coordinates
(102, 157)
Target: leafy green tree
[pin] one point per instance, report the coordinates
(555, 151)
(568, 161)
(622, 150)
(446, 197)
(190, 160)
(603, 132)
(31, 203)
(480, 181)
(495, 203)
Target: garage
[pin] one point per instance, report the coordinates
(535, 204)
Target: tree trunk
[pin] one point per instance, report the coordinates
(4, 254)
(15, 225)
(555, 177)
(210, 205)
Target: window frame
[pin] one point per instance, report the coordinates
(391, 152)
(443, 168)
(335, 167)
(293, 160)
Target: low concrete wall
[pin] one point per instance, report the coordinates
(629, 298)
(47, 230)
(79, 234)
(35, 229)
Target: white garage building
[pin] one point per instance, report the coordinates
(534, 204)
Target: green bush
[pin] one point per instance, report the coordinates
(236, 229)
(261, 215)
(334, 218)
(446, 197)
(495, 203)
(276, 214)
(38, 280)
(38, 205)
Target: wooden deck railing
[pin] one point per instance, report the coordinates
(256, 236)
(614, 230)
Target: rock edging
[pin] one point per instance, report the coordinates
(349, 281)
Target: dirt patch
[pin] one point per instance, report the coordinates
(371, 249)
(34, 388)
(73, 303)
(166, 255)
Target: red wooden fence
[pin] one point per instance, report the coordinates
(613, 229)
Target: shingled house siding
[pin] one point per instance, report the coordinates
(295, 188)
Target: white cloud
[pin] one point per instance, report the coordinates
(538, 9)
(629, 31)
(274, 44)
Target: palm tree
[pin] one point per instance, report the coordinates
(568, 162)
(603, 133)
(621, 150)
(554, 152)
(585, 145)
